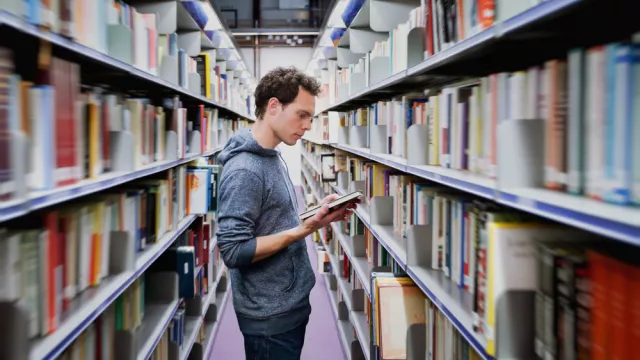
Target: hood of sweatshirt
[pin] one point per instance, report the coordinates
(243, 141)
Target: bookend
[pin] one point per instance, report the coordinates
(359, 245)
(343, 135)
(333, 283)
(419, 249)
(122, 146)
(379, 69)
(190, 42)
(416, 139)
(14, 331)
(378, 139)
(381, 210)
(359, 185)
(363, 39)
(195, 83)
(166, 11)
(120, 43)
(415, 47)
(223, 284)
(170, 146)
(416, 341)
(515, 327)
(343, 92)
(521, 153)
(346, 57)
(194, 137)
(162, 288)
(385, 15)
(13, 6)
(18, 162)
(169, 69)
(343, 311)
(359, 136)
(357, 300)
(358, 82)
(121, 254)
(343, 180)
(356, 351)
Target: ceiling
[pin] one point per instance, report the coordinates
(274, 23)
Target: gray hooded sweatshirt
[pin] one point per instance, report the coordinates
(257, 198)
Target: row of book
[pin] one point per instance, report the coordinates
(134, 35)
(127, 314)
(70, 134)
(584, 135)
(396, 303)
(476, 243)
(442, 24)
(79, 239)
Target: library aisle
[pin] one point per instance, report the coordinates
(321, 340)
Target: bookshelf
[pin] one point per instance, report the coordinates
(458, 148)
(108, 126)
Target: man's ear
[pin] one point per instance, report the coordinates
(273, 106)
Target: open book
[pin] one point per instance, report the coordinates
(343, 200)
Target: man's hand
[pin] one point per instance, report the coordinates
(324, 217)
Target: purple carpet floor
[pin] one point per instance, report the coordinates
(321, 341)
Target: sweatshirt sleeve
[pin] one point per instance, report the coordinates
(240, 201)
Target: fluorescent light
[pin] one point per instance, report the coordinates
(278, 33)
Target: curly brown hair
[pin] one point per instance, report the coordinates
(283, 84)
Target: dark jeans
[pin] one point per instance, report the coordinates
(286, 346)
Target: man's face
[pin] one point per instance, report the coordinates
(292, 121)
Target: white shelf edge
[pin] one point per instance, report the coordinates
(19, 24)
(451, 309)
(192, 325)
(362, 273)
(363, 334)
(496, 31)
(149, 346)
(53, 345)
(399, 255)
(588, 215)
(41, 199)
(315, 141)
(467, 333)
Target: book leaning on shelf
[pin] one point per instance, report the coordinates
(131, 32)
(101, 130)
(54, 255)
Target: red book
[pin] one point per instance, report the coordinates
(429, 26)
(61, 80)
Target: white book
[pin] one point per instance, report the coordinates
(595, 120)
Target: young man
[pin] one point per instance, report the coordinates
(260, 236)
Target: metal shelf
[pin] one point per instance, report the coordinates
(90, 55)
(85, 308)
(615, 221)
(41, 199)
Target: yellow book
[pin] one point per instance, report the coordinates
(207, 75)
(94, 139)
(434, 129)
